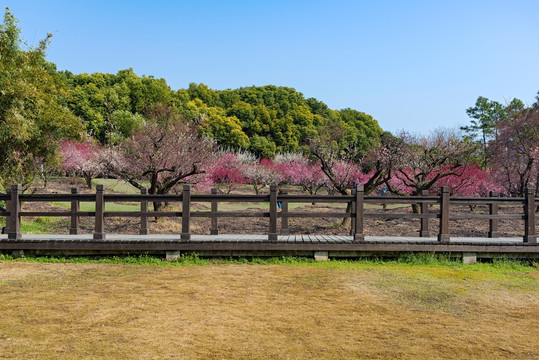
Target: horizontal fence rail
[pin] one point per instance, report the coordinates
(277, 202)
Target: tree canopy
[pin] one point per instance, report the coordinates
(33, 115)
(265, 120)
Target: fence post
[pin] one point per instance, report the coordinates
(352, 212)
(443, 236)
(424, 232)
(272, 235)
(144, 210)
(493, 223)
(530, 236)
(14, 210)
(359, 207)
(214, 229)
(284, 213)
(8, 207)
(74, 229)
(99, 233)
(186, 212)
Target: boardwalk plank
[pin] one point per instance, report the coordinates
(330, 239)
(249, 238)
(334, 238)
(322, 239)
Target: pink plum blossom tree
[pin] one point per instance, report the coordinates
(81, 158)
(296, 169)
(165, 152)
(260, 174)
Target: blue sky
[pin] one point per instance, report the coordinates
(414, 65)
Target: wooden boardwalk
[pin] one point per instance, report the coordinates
(298, 244)
(248, 238)
(273, 242)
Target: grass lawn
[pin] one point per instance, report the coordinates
(90, 206)
(280, 310)
(116, 185)
(43, 225)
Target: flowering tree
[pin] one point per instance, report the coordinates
(260, 174)
(515, 151)
(164, 153)
(344, 167)
(296, 169)
(427, 160)
(226, 173)
(470, 180)
(81, 158)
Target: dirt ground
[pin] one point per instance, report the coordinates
(331, 226)
(99, 311)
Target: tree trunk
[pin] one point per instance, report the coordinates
(88, 181)
(157, 206)
(347, 221)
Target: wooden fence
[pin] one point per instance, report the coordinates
(357, 200)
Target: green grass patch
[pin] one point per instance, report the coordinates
(43, 224)
(117, 185)
(408, 263)
(88, 206)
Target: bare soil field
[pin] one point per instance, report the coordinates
(352, 311)
(389, 225)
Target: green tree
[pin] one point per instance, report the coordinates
(304, 121)
(97, 97)
(204, 93)
(88, 102)
(363, 131)
(262, 147)
(485, 115)
(215, 123)
(32, 115)
(123, 124)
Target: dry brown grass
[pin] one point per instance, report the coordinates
(98, 311)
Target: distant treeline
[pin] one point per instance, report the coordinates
(265, 120)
